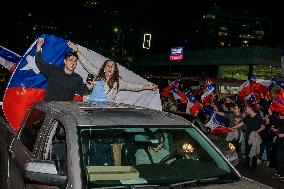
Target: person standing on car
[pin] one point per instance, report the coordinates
(254, 123)
(62, 83)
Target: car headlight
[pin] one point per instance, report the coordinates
(231, 146)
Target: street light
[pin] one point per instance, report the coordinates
(115, 29)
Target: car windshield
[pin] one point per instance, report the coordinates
(149, 156)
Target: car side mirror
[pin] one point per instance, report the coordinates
(43, 171)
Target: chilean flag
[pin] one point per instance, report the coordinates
(193, 106)
(277, 104)
(178, 94)
(261, 86)
(27, 84)
(9, 59)
(207, 96)
(169, 88)
(253, 98)
(245, 89)
(215, 119)
(278, 83)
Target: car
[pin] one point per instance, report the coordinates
(81, 145)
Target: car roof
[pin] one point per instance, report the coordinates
(113, 114)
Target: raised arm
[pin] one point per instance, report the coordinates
(128, 86)
(85, 63)
(238, 125)
(43, 66)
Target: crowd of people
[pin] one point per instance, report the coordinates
(256, 131)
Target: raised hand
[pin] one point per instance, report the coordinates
(72, 46)
(39, 44)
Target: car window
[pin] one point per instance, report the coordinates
(32, 126)
(57, 148)
(155, 155)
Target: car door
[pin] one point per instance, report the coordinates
(22, 147)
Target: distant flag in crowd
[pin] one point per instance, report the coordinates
(179, 95)
(169, 88)
(8, 58)
(215, 123)
(27, 85)
(207, 96)
(261, 86)
(245, 89)
(215, 119)
(256, 86)
(277, 104)
(252, 98)
(278, 83)
(193, 106)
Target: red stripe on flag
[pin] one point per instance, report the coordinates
(17, 101)
(276, 106)
(195, 108)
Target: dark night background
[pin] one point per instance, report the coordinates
(91, 23)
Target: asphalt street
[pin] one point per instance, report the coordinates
(262, 174)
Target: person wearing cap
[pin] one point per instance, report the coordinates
(154, 153)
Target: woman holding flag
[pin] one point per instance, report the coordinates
(107, 82)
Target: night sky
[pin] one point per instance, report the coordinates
(164, 19)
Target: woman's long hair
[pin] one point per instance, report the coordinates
(114, 78)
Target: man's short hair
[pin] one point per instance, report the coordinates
(67, 55)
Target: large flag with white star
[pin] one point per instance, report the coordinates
(27, 85)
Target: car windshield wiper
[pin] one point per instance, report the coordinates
(213, 180)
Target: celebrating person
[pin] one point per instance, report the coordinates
(62, 83)
(107, 81)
